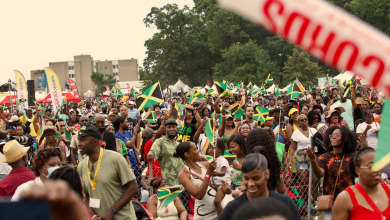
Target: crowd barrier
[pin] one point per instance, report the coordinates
(302, 187)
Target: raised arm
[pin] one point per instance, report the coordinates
(199, 130)
(221, 129)
(353, 95)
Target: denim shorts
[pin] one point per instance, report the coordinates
(302, 166)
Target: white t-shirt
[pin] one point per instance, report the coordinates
(5, 168)
(25, 186)
(371, 136)
(303, 142)
(222, 162)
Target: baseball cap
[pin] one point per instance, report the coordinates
(131, 103)
(104, 106)
(90, 130)
(14, 118)
(170, 121)
(292, 111)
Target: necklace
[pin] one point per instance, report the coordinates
(304, 131)
(124, 135)
(377, 200)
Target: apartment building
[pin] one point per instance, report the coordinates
(80, 70)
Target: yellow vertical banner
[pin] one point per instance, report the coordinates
(54, 86)
(21, 87)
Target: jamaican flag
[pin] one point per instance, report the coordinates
(236, 110)
(210, 133)
(336, 82)
(221, 89)
(310, 89)
(348, 87)
(3, 106)
(242, 101)
(196, 101)
(250, 86)
(166, 195)
(382, 154)
(240, 85)
(260, 114)
(63, 101)
(293, 91)
(197, 94)
(192, 94)
(177, 111)
(269, 79)
(276, 92)
(150, 117)
(254, 92)
(151, 96)
(182, 91)
(21, 101)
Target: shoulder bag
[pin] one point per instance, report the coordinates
(325, 202)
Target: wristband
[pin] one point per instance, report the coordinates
(207, 176)
(113, 210)
(94, 216)
(223, 116)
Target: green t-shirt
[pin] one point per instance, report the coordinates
(114, 173)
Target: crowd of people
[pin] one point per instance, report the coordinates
(92, 160)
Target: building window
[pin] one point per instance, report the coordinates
(106, 75)
(113, 66)
(105, 67)
(101, 68)
(70, 67)
(116, 66)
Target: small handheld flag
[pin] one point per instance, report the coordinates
(260, 114)
(269, 79)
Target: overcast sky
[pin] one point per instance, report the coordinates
(34, 33)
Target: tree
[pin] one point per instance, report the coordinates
(110, 82)
(97, 79)
(170, 52)
(374, 12)
(300, 66)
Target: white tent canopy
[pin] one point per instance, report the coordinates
(271, 89)
(285, 88)
(347, 76)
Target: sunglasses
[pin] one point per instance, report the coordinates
(334, 136)
(62, 126)
(302, 120)
(318, 100)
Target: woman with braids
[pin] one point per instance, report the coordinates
(260, 137)
(369, 199)
(256, 173)
(170, 212)
(313, 118)
(333, 165)
(237, 146)
(44, 163)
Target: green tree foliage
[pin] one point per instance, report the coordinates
(100, 82)
(300, 66)
(207, 43)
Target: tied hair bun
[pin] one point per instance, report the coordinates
(175, 155)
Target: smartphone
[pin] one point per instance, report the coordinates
(25, 209)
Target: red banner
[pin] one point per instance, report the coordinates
(73, 88)
(326, 31)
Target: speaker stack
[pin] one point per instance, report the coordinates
(31, 92)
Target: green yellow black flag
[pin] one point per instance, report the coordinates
(269, 79)
(221, 89)
(293, 91)
(260, 114)
(166, 195)
(382, 153)
(151, 96)
(150, 117)
(236, 110)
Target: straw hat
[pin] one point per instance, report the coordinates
(49, 128)
(13, 151)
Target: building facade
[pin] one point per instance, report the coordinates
(81, 68)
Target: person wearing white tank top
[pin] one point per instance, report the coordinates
(195, 178)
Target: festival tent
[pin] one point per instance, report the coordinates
(69, 98)
(39, 95)
(89, 93)
(177, 86)
(347, 75)
(271, 89)
(285, 88)
(5, 100)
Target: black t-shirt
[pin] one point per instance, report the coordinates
(325, 99)
(132, 123)
(357, 117)
(186, 132)
(233, 206)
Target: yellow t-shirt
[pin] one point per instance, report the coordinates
(23, 120)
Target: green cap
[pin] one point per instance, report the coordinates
(104, 106)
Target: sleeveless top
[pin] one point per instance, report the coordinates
(205, 208)
(169, 212)
(359, 212)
